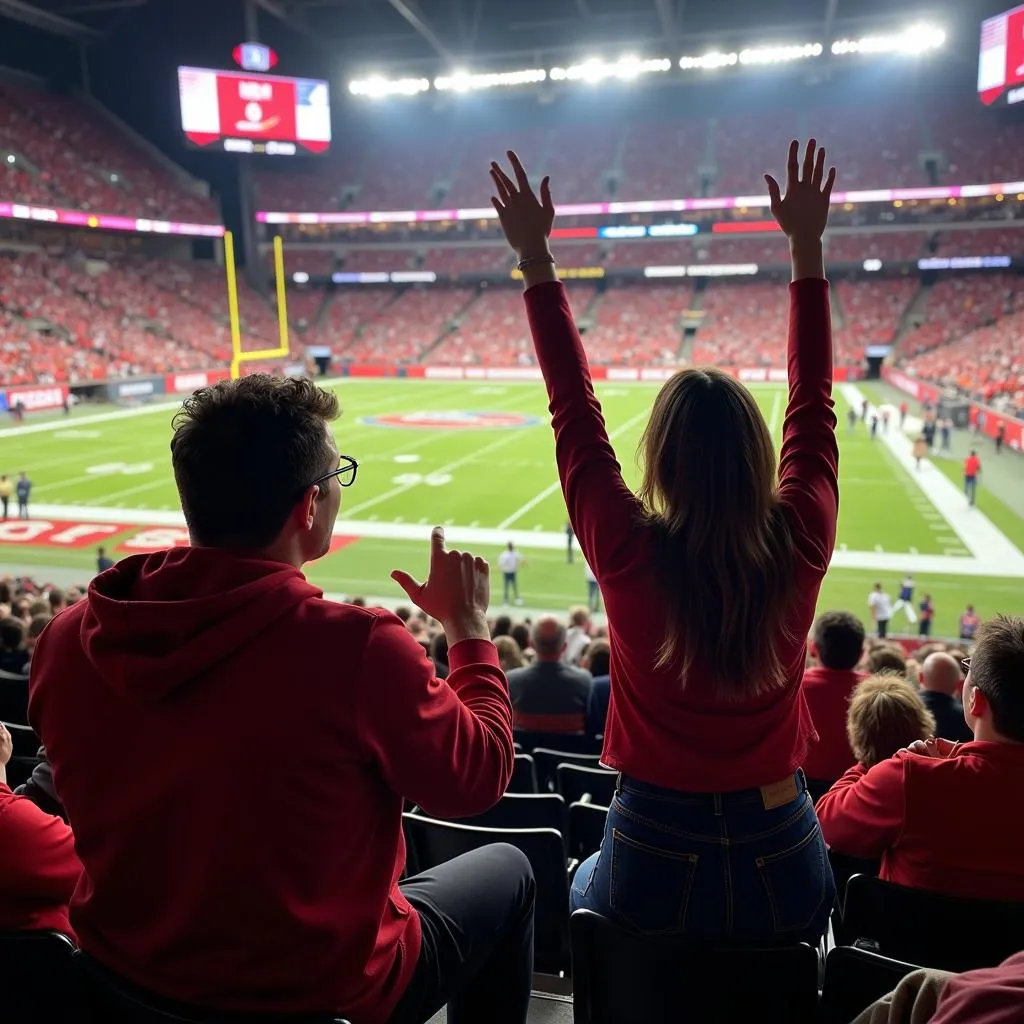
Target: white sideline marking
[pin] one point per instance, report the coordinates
(481, 537)
(975, 531)
(773, 422)
(551, 488)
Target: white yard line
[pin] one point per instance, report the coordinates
(137, 489)
(551, 488)
(480, 537)
(773, 421)
(975, 531)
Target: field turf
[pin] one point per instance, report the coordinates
(479, 459)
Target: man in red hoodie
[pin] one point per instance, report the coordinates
(250, 858)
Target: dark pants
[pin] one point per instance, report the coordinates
(883, 627)
(511, 586)
(476, 913)
(924, 627)
(715, 866)
(971, 488)
(22, 509)
(5, 502)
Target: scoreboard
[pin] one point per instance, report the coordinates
(1001, 58)
(247, 112)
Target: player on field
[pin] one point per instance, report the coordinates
(927, 613)
(24, 489)
(508, 562)
(851, 418)
(906, 599)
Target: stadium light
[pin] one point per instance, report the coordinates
(300, 277)
(780, 54)
(913, 40)
(597, 70)
(377, 86)
(709, 61)
(463, 81)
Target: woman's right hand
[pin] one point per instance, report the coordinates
(525, 219)
(803, 212)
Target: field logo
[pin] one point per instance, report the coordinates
(453, 420)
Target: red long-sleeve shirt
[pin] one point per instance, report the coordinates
(234, 751)
(657, 730)
(945, 824)
(38, 867)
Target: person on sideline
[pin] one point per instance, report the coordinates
(103, 560)
(709, 577)
(972, 467)
(549, 695)
(925, 614)
(920, 451)
(941, 686)
(885, 715)
(570, 540)
(6, 490)
(278, 889)
(969, 623)
(23, 488)
(593, 589)
(508, 562)
(880, 604)
(837, 641)
(899, 810)
(38, 866)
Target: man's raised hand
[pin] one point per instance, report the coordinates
(803, 212)
(525, 219)
(457, 590)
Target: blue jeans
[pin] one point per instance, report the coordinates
(715, 866)
(970, 487)
(511, 586)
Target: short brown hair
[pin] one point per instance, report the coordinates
(509, 654)
(885, 714)
(997, 669)
(888, 658)
(244, 451)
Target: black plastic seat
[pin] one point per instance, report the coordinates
(433, 842)
(548, 759)
(620, 977)
(524, 810)
(594, 785)
(13, 698)
(586, 829)
(570, 743)
(844, 868)
(40, 981)
(524, 775)
(930, 929)
(854, 979)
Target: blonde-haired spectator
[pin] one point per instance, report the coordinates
(885, 715)
(509, 653)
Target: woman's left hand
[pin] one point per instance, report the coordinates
(525, 219)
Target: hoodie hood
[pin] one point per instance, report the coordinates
(155, 622)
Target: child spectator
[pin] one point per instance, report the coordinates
(885, 715)
(709, 577)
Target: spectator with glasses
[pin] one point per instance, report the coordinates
(899, 809)
(219, 873)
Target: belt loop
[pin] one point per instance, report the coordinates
(801, 779)
(618, 784)
(718, 804)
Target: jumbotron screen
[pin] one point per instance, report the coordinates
(1001, 58)
(241, 112)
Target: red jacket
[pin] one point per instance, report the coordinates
(827, 692)
(233, 752)
(657, 730)
(943, 824)
(38, 867)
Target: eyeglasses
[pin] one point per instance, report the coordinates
(346, 472)
(965, 664)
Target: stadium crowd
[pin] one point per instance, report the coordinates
(722, 706)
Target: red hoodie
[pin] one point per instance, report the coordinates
(233, 752)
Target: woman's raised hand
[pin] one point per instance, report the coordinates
(803, 212)
(525, 219)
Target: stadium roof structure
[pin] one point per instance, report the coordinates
(427, 34)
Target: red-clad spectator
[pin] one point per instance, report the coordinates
(38, 866)
(277, 888)
(972, 467)
(899, 810)
(837, 641)
(709, 577)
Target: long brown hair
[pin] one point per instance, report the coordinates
(710, 487)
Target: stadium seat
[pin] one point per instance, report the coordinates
(524, 775)
(548, 760)
(13, 698)
(944, 932)
(620, 977)
(576, 783)
(854, 979)
(568, 743)
(524, 810)
(432, 842)
(39, 979)
(586, 829)
(844, 868)
(25, 756)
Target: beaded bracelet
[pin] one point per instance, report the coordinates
(532, 261)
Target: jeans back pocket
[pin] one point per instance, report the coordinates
(649, 886)
(798, 881)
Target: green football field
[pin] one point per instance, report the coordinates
(478, 458)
